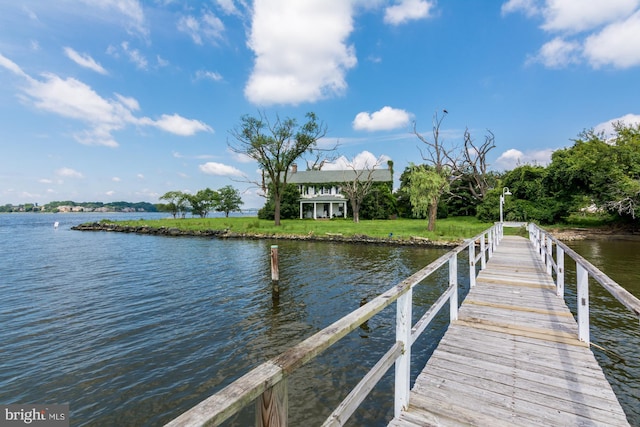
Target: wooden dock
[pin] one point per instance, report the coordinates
(513, 357)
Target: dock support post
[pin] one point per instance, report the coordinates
(583, 303)
(275, 273)
(403, 363)
(272, 406)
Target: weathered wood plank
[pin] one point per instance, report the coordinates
(513, 356)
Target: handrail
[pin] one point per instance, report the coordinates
(543, 242)
(267, 383)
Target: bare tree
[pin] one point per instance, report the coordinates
(474, 164)
(357, 185)
(276, 146)
(441, 161)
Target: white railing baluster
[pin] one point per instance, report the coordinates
(549, 256)
(403, 364)
(483, 262)
(583, 303)
(560, 272)
(472, 264)
(453, 282)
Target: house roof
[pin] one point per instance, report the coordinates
(332, 176)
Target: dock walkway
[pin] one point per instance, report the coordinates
(513, 357)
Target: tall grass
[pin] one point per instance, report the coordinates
(449, 229)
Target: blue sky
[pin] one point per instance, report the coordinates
(108, 100)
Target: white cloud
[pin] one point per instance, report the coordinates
(528, 7)
(407, 10)
(363, 160)
(135, 56)
(512, 158)
(68, 173)
(618, 44)
(301, 51)
(140, 176)
(74, 99)
(228, 6)
(45, 181)
(607, 127)
(161, 61)
(602, 32)
(12, 66)
(84, 60)
(219, 169)
(207, 27)
(180, 126)
(575, 16)
(386, 118)
(116, 179)
(130, 9)
(110, 193)
(557, 53)
(209, 75)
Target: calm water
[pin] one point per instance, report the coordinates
(133, 330)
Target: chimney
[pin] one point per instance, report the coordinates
(294, 167)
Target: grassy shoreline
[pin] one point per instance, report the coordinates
(449, 230)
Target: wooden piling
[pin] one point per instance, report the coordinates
(275, 274)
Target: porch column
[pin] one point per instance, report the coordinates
(315, 207)
(330, 209)
(301, 211)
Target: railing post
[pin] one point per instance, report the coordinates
(483, 261)
(560, 272)
(403, 363)
(453, 281)
(549, 255)
(472, 264)
(272, 406)
(490, 242)
(583, 303)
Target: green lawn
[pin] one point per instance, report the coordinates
(449, 229)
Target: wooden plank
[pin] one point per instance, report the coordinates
(543, 334)
(510, 307)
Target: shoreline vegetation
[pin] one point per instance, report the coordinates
(449, 233)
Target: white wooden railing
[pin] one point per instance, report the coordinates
(267, 383)
(544, 244)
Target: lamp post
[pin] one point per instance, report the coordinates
(505, 192)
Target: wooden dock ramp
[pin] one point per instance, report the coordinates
(513, 357)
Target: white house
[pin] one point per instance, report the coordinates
(321, 191)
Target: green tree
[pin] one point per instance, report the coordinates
(204, 201)
(379, 203)
(276, 146)
(229, 200)
(289, 206)
(177, 202)
(426, 186)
